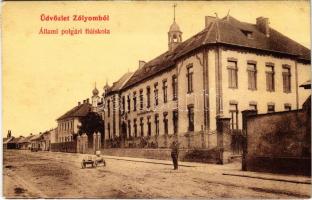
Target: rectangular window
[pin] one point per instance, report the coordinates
(156, 93)
(148, 95)
(175, 121)
(114, 116)
(128, 102)
(287, 107)
(157, 124)
(123, 104)
(166, 123)
(271, 108)
(270, 82)
(108, 108)
(174, 87)
(232, 71)
(108, 130)
(134, 101)
(190, 114)
(135, 128)
(165, 86)
(142, 126)
(149, 130)
(141, 99)
(286, 79)
(252, 106)
(129, 128)
(234, 116)
(252, 76)
(189, 76)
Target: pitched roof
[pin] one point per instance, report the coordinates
(15, 140)
(36, 137)
(6, 140)
(120, 83)
(26, 139)
(227, 31)
(78, 111)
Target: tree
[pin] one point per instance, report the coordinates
(91, 123)
(9, 134)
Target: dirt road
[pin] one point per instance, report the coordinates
(48, 174)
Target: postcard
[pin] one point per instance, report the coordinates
(156, 99)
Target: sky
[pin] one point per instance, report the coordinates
(43, 76)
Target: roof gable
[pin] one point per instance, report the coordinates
(120, 83)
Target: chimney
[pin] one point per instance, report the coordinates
(79, 103)
(141, 63)
(87, 100)
(84, 101)
(263, 25)
(209, 20)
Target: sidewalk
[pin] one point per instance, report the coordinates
(232, 169)
(154, 161)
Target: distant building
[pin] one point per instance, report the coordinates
(6, 141)
(14, 143)
(67, 124)
(53, 135)
(25, 143)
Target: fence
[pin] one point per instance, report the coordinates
(70, 147)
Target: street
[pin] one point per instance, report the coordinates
(49, 174)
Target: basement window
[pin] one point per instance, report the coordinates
(247, 33)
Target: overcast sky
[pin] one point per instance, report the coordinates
(46, 75)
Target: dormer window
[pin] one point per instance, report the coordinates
(247, 33)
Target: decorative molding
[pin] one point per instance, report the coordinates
(233, 102)
(200, 59)
(251, 62)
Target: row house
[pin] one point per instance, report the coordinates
(228, 67)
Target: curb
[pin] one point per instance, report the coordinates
(152, 162)
(271, 179)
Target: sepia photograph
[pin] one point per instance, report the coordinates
(156, 99)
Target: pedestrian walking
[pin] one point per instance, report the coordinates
(175, 154)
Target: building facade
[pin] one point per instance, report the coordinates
(228, 67)
(68, 124)
(112, 110)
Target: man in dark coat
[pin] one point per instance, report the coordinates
(175, 154)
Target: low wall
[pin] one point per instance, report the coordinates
(190, 155)
(279, 142)
(198, 140)
(70, 147)
(285, 165)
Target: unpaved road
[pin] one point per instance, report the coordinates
(47, 174)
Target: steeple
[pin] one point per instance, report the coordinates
(95, 98)
(106, 86)
(174, 34)
(95, 91)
